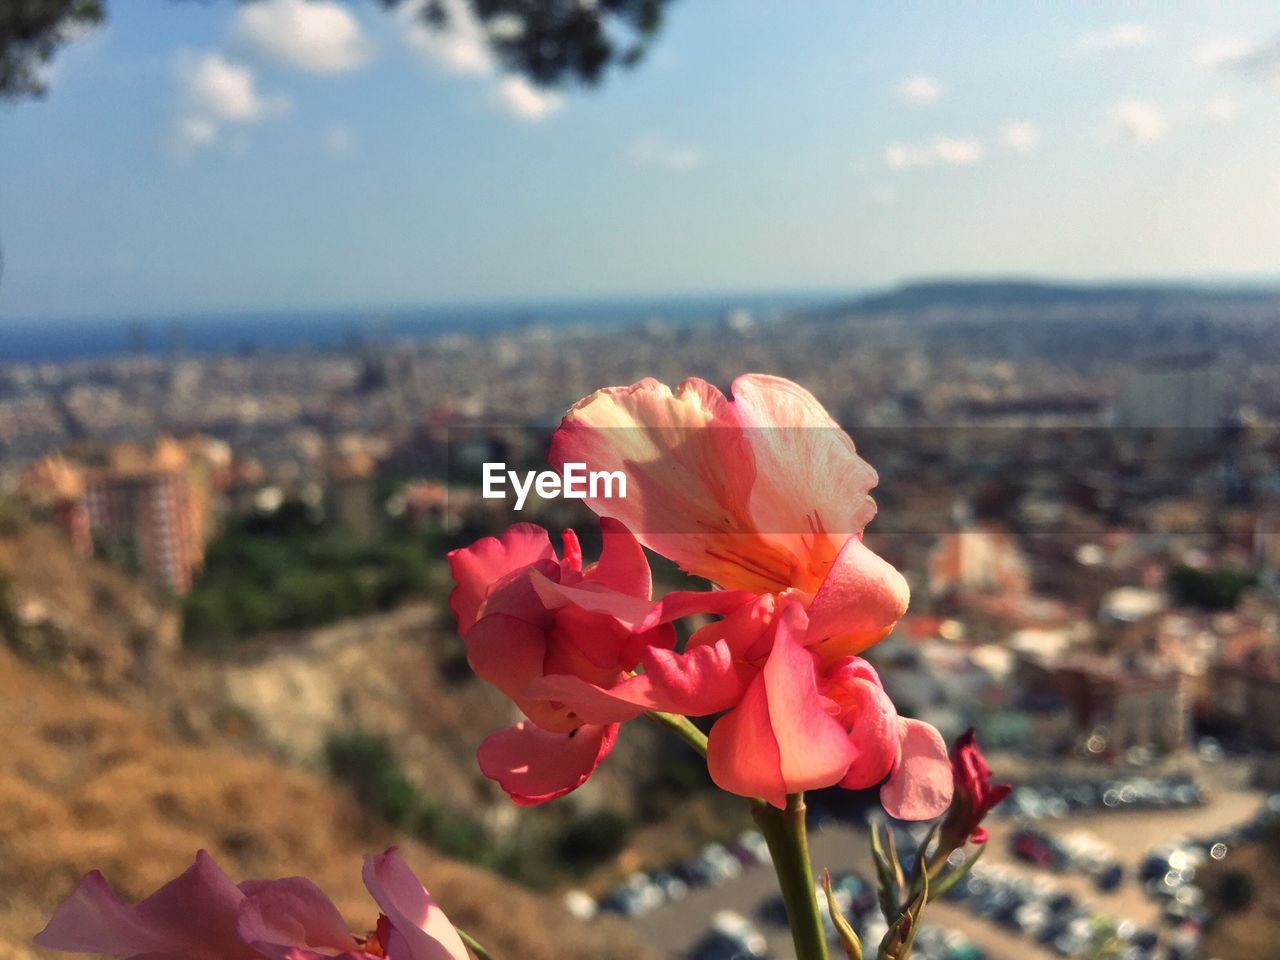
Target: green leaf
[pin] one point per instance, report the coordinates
(848, 939)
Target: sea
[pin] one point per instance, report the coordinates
(248, 332)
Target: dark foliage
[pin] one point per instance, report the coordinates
(290, 571)
(593, 839)
(368, 766)
(1209, 589)
(31, 32)
(551, 42)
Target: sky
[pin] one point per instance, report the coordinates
(303, 154)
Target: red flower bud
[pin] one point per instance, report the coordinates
(975, 794)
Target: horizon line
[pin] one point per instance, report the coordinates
(1224, 283)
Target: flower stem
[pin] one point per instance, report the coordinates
(683, 728)
(480, 952)
(784, 832)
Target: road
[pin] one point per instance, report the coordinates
(674, 928)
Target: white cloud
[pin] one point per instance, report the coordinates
(1222, 110)
(943, 151)
(524, 100)
(1223, 53)
(1261, 60)
(196, 131)
(216, 93)
(319, 36)
(461, 46)
(654, 151)
(1120, 36)
(338, 139)
(1139, 120)
(1020, 136)
(919, 91)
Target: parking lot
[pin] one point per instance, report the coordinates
(675, 927)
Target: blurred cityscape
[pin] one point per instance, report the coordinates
(1082, 485)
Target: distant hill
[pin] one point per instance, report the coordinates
(1004, 294)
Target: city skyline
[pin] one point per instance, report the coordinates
(294, 156)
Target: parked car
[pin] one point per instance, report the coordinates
(731, 937)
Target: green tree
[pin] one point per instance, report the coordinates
(551, 42)
(31, 31)
(1209, 589)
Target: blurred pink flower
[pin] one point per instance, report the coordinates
(762, 492)
(534, 623)
(202, 915)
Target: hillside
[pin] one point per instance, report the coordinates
(1013, 293)
(98, 695)
(86, 782)
(400, 675)
(92, 621)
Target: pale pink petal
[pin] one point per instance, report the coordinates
(633, 612)
(514, 596)
(591, 702)
(814, 748)
(93, 920)
(747, 629)
(534, 765)
(622, 565)
(679, 604)
(506, 652)
(742, 752)
(809, 477)
(703, 681)
(193, 915)
(596, 646)
(874, 732)
(478, 567)
(862, 595)
(689, 473)
(592, 597)
(279, 916)
(419, 923)
(780, 739)
(586, 645)
(921, 786)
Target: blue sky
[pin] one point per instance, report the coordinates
(211, 156)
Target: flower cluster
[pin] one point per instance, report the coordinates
(203, 915)
(763, 495)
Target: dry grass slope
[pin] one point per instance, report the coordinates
(87, 782)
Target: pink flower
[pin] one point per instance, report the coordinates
(802, 727)
(202, 915)
(766, 496)
(791, 724)
(532, 621)
(762, 492)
